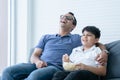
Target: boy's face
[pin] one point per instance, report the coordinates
(88, 39)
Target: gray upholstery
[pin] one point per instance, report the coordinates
(113, 66)
(29, 55)
(114, 79)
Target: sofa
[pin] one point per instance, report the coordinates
(113, 64)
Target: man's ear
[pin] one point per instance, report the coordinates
(73, 27)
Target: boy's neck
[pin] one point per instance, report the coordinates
(86, 47)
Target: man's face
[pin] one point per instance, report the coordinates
(66, 22)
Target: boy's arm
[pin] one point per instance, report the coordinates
(100, 70)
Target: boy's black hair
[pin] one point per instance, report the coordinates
(94, 30)
(74, 21)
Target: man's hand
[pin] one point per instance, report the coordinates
(40, 64)
(65, 58)
(102, 58)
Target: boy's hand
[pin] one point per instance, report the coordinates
(80, 66)
(65, 58)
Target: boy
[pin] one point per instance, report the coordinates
(81, 64)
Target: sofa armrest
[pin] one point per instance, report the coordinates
(113, 64)
(29, 55)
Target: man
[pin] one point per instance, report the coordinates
(47, 56)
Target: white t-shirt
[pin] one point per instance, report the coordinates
(86, 57)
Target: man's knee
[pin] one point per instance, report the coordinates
(45, 73)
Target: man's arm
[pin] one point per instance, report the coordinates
(35, 58)
(103, 57)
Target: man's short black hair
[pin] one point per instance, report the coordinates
(94, 30)
(74, 21)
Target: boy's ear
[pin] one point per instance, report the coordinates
(97, 40)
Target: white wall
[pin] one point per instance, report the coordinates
(18, 26)
(33, 18)
(3, 34)
(21, 30)
(104, 14)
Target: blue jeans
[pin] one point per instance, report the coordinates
(29, 71)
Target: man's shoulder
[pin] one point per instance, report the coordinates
(75, 35)
(49, 35)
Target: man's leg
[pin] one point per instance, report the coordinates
(81, 75)
(18, 72)
(60, 75)
(45, 73)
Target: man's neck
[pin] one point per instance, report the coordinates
(63, 33)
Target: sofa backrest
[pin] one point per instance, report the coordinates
(113, 66)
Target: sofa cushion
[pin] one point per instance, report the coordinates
(114, 79)
(113, 66)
